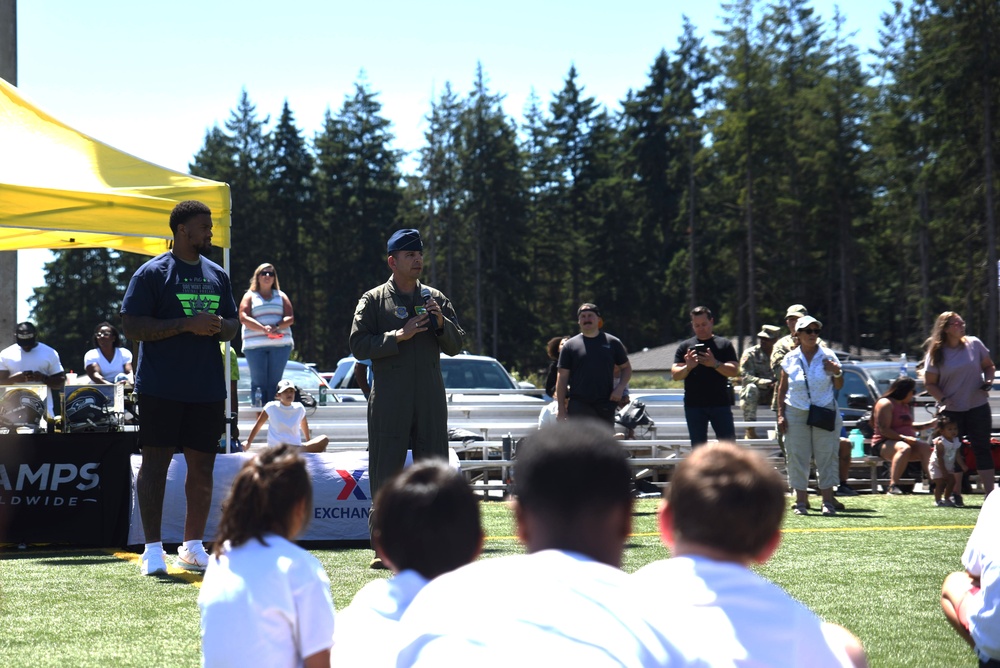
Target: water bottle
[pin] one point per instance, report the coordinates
(902, 366)
(257, 398)
(857, 440)
(507, 447)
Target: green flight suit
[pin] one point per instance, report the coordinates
(407, 403)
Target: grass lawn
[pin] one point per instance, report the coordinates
(876, 569)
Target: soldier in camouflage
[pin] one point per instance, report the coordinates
(757, 378)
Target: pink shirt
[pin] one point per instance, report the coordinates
(960, 374)
(902, 422)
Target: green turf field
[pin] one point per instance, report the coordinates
(876, 569)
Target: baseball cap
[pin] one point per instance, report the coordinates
(769, 332)
(285, 384)
(796, 311)
(805, 321)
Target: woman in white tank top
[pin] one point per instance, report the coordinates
(266, 314)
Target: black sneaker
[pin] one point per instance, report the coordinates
(956, 499)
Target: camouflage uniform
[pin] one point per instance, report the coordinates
(782, 347)
(757, 381)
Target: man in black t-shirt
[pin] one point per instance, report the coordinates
(706, 363)
(585, 384)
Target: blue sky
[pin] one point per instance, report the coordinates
(151, 78)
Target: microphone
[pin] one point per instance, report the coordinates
(426, 294)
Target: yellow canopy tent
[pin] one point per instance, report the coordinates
(62, 189)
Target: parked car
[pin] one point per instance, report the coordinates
(461, 372)
(303, 375)
(865, 382)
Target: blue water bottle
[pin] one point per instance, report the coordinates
(857, 443)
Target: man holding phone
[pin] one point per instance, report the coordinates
(706, 363)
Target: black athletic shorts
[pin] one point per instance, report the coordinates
(164, 423)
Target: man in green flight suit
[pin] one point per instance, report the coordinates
(403, 326)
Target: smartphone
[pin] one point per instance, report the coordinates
(701, 348)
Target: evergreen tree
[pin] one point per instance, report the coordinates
(359, 195)
(571, 118)
(82, 288)
(292, 229)
(238, 156)
(497, 292)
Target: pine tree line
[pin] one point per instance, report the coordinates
(776, 168)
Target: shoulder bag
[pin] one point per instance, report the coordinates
(819, 416)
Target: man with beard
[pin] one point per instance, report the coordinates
(179, 305)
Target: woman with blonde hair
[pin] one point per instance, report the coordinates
(266, 315)
(958, 372)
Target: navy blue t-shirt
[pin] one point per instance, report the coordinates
(185, 367)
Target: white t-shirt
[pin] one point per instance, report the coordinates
(283, 423)
(108, 369)
(264, 606)
(368, 629)
(982, 559)
(820, 388)
(41, 358)
(950, 453)
(724, 614)
(548, 608)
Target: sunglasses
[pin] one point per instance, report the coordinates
(811, 330)
(267, 273)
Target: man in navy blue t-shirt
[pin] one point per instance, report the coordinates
(179, 305)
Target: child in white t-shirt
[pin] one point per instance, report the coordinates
(287, 417)
(425, 523)
(264, 600)
(946, 466)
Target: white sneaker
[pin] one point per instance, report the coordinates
(152, 562)
(192, 560)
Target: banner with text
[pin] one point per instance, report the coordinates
(341, 500)
(65, 488)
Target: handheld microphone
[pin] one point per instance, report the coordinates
(426, 294)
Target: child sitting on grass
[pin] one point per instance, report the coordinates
(264, 600)
(971, 598)
(946, 465)
(722, 514)
(287, 416)
(425, 523)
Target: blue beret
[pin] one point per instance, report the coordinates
(405, 240)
